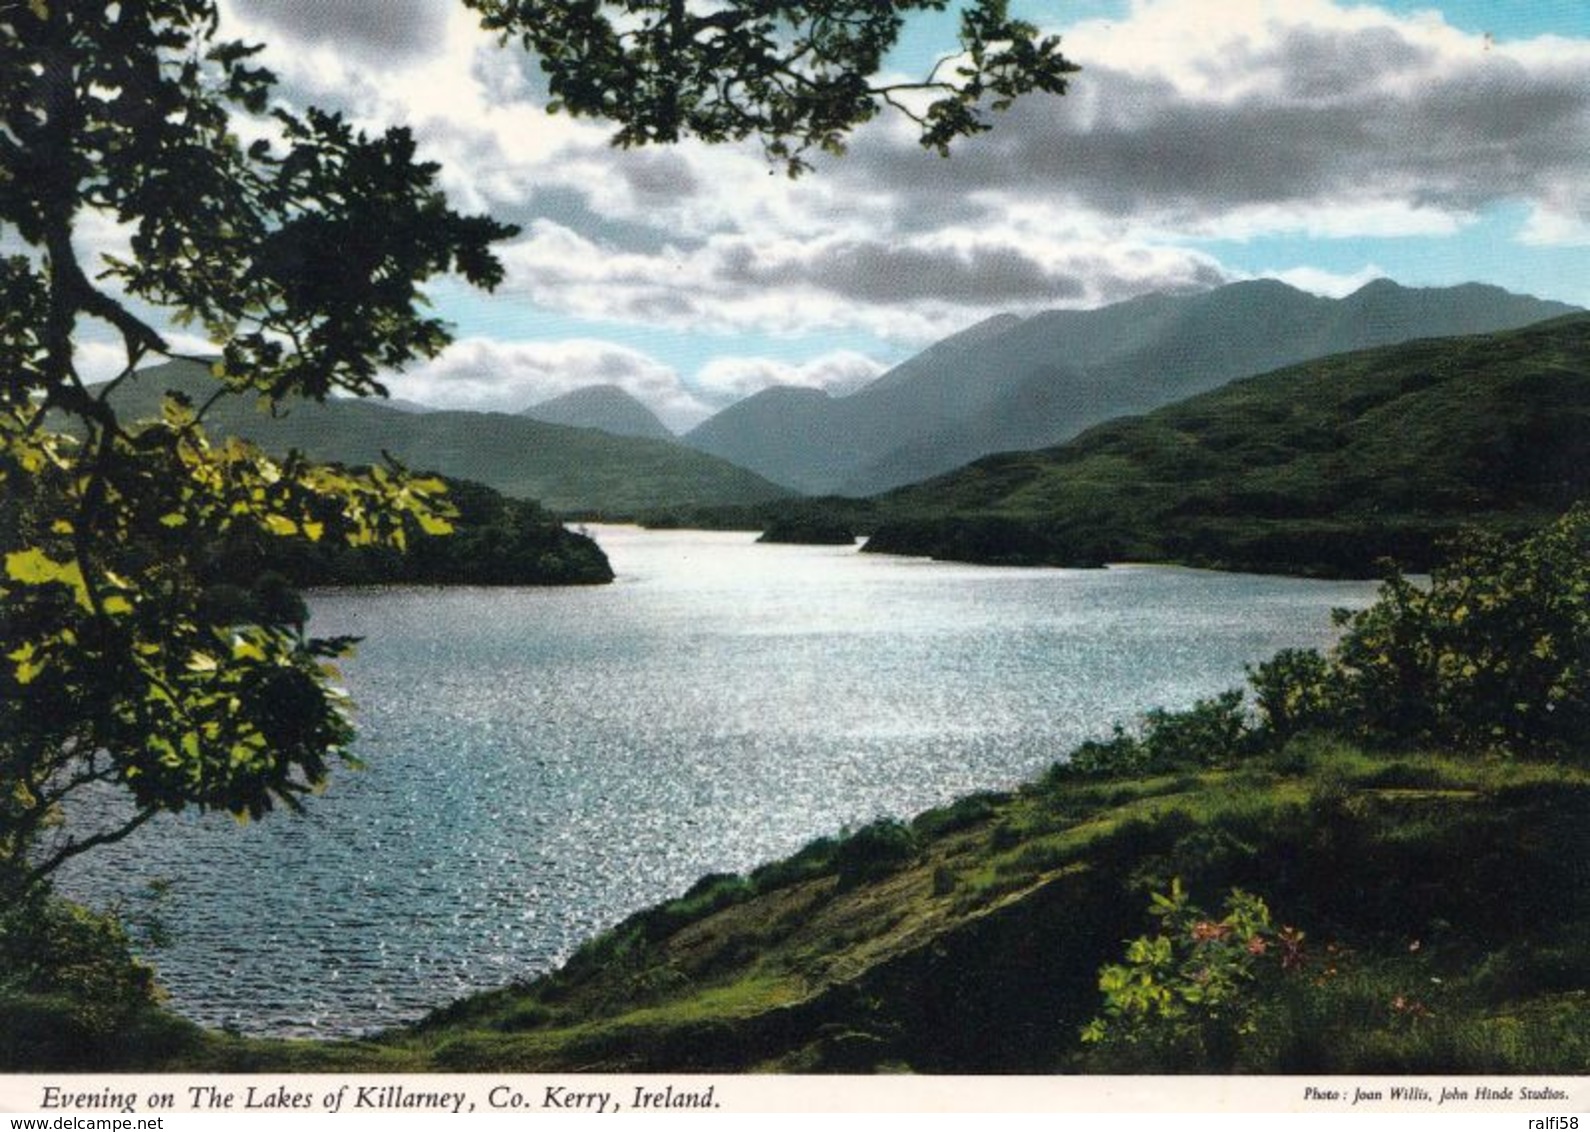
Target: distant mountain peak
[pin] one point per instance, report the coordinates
(606, 407)
(946, 348)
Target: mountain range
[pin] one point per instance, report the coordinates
(1005, 385)
(1011, 384)
(1321, 467)
(566, 469)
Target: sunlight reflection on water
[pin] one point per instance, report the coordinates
(541, 762)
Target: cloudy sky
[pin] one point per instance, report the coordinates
(1205, 141)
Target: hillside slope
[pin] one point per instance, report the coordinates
(971, 939)
(1325, 466)
(1010, 384)
(565, 469)
(977, 945)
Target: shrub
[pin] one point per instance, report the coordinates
(1213, 732)
(710, 894)
(1493, 653)
(1295, 693)
(815, 859)
(1121, 754)
(958, 815)
(885, 846)
(69, 984)
(1185, 996)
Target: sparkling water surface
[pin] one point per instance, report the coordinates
(542, 762)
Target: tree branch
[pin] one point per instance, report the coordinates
(74, 848)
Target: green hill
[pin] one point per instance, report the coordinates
(1010, 384)
(971, 940)
(566, 469)
(1321, 467)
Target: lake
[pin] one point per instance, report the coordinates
(542, 762)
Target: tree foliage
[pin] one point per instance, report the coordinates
(797, 75)
(301, 253)
(1490, 654)
(1494, 652)
(298, 244)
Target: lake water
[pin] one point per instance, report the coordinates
(541, 762)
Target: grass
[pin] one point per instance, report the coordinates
(1453, 884)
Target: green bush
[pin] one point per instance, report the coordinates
(1493, 654)
(1295, 693)
(70, 986)
(1212, 733)
(885, 846)
(814, 859)
(958, 815)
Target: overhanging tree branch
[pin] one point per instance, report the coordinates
(794, 76)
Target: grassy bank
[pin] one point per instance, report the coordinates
(1443, 899)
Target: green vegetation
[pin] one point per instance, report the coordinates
(72, 996)
(810, 530)
(119, 669)
(1321, 468)
(1400, 891)
(797, 76)
(494, 541)
(1193, 991)
(828, 511)
(567, 470)
(991, 540)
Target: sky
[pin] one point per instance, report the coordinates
(1320, 142)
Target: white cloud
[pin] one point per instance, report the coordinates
(1331, 284)
(486, 375)
(98, 358)
(725, 380)
(1561, 219)
(911, 290)
(1193, 120)
(483, 375)
(1236, 119)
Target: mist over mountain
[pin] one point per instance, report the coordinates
(605, 407)
(1011, 384)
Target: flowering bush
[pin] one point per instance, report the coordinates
(1190, 990)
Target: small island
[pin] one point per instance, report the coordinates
(986, 540)
(809, 530)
